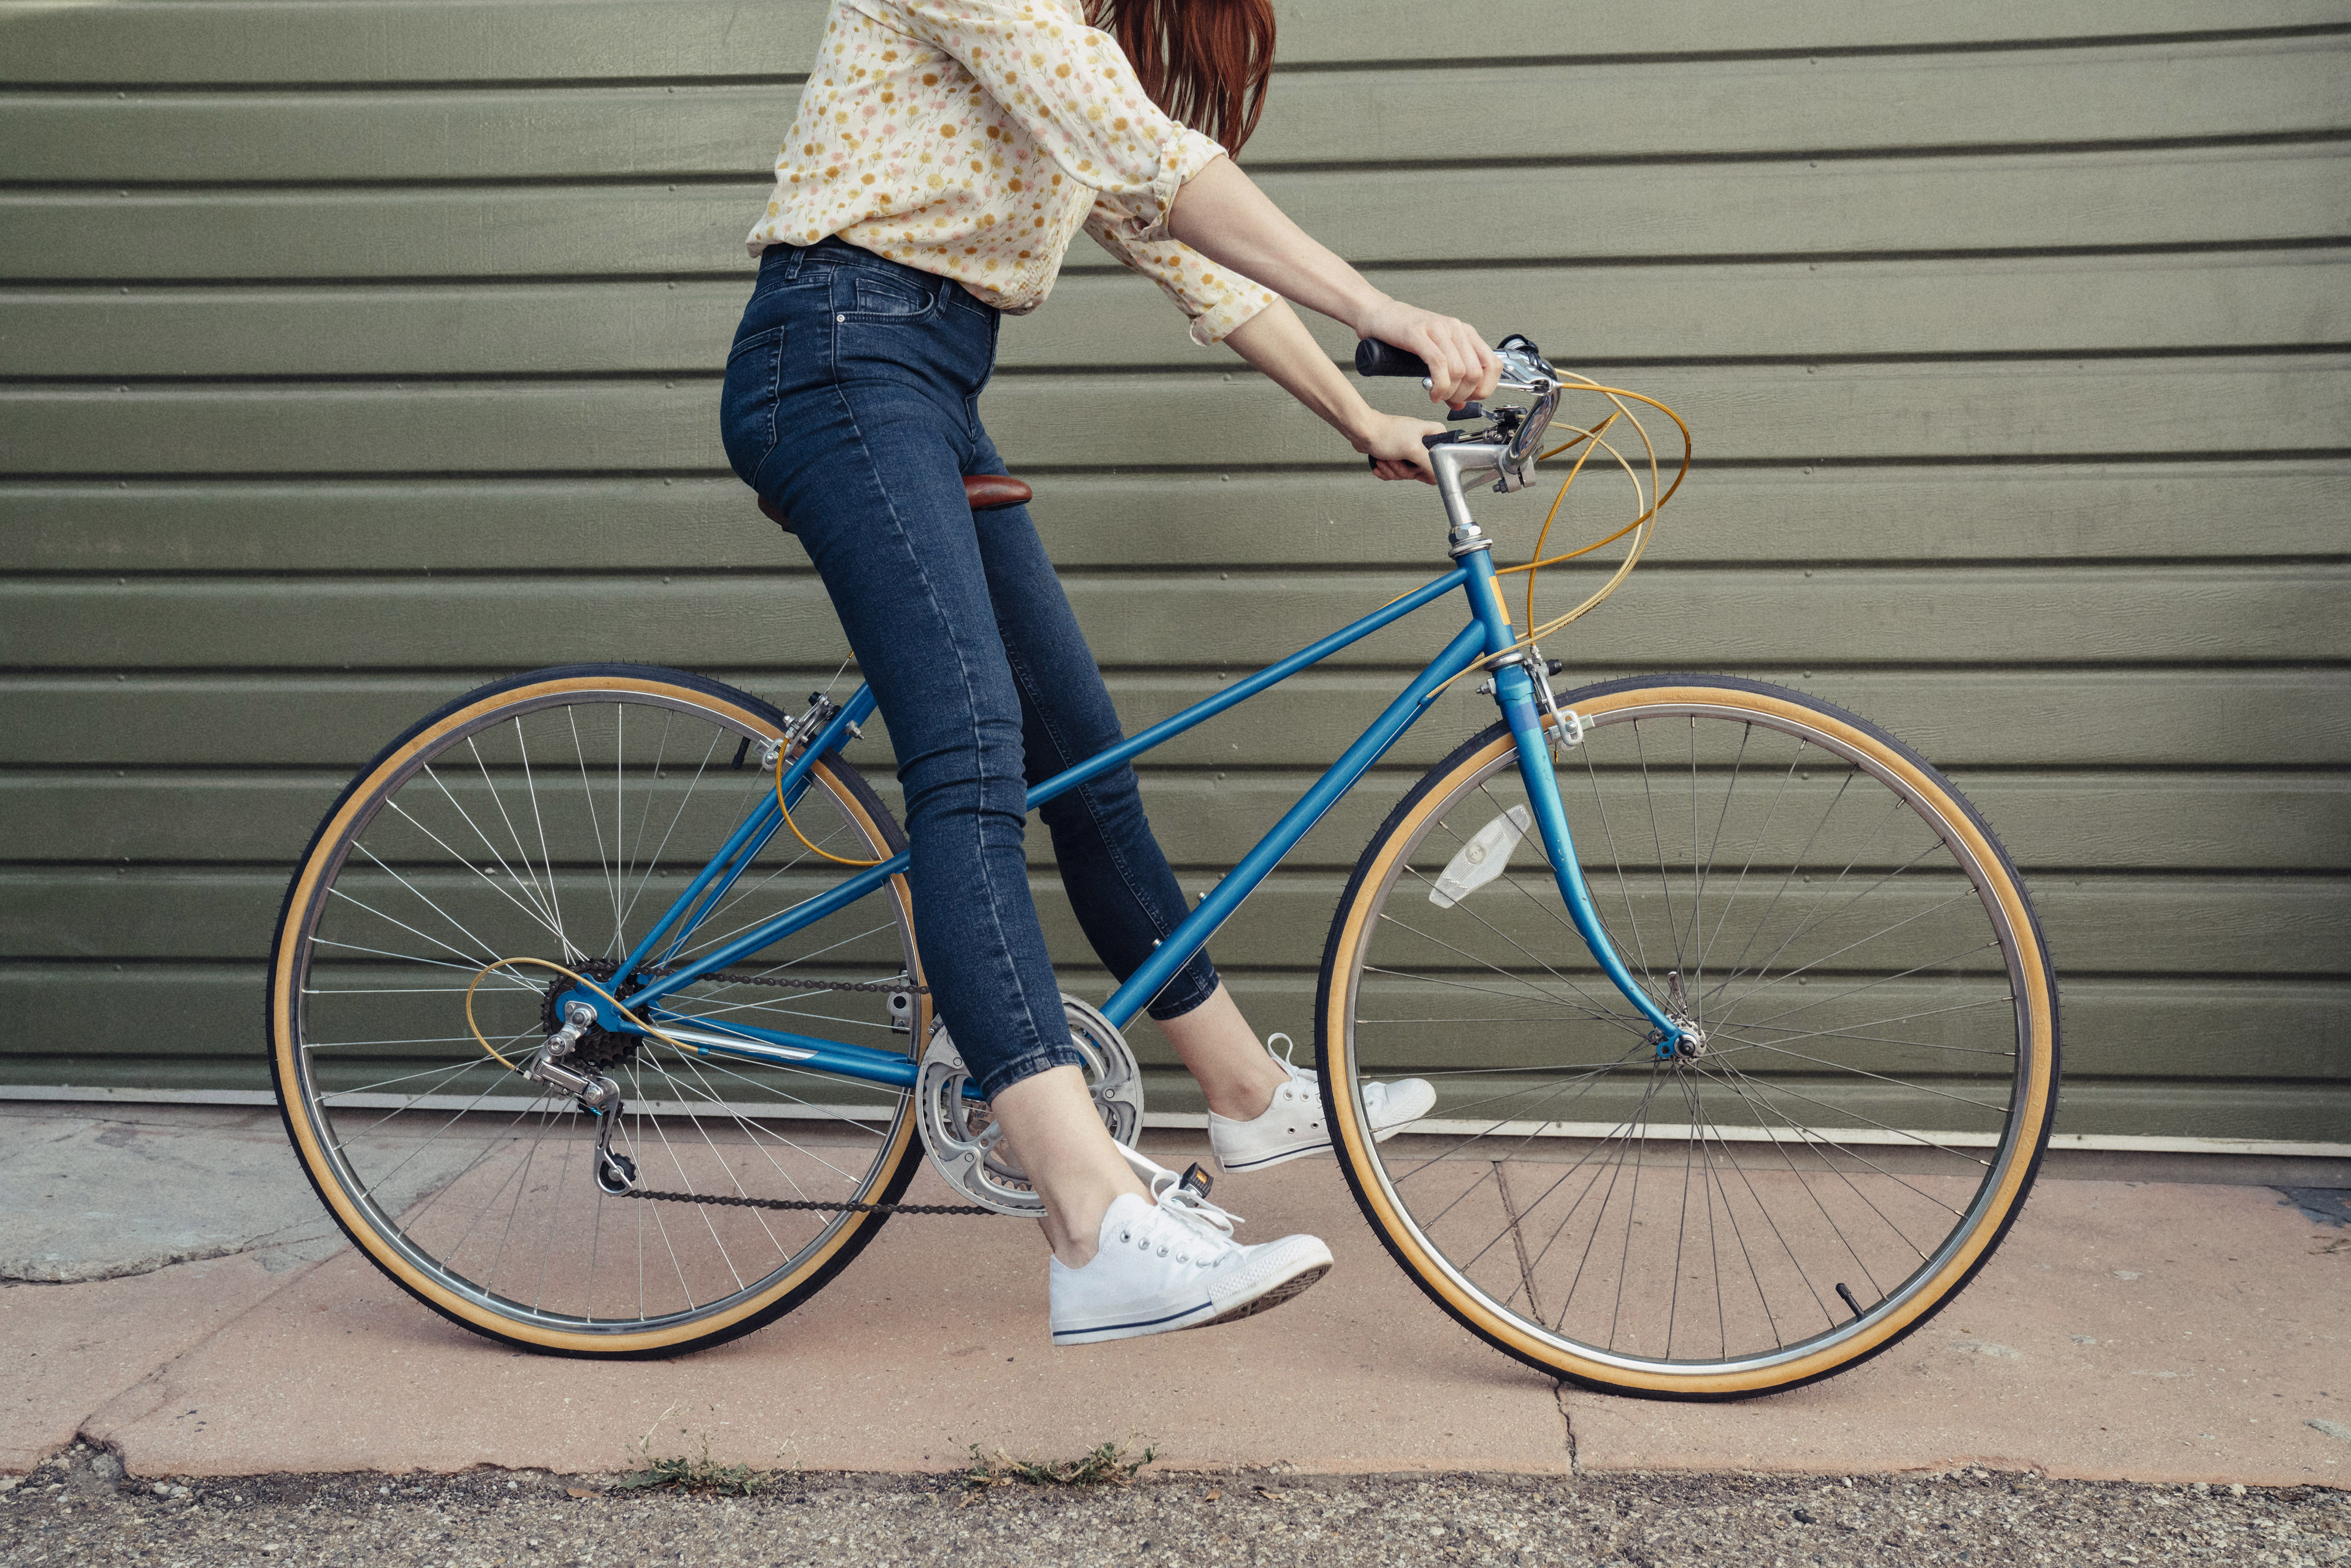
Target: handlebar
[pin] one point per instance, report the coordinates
(1374, 358)
(1514, 432)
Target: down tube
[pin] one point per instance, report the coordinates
(1217, 908)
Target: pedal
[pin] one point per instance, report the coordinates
(1197, 1180)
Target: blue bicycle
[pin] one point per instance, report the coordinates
(598, 1015)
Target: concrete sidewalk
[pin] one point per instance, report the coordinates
(174, 1292)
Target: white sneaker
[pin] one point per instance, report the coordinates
(1173, 1265)
(1292, 1127)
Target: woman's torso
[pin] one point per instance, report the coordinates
(902, 148)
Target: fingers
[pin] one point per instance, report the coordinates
(1461, 366)
(1489, 367)
(1414, 463)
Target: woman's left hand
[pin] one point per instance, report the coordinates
(1393, 442)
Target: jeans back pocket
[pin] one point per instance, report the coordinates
(746, 408)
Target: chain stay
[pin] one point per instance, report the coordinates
(722, 1200)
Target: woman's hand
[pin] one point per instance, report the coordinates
(1393, 442)
(1461, 366)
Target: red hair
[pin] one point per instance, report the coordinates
(1203, 61)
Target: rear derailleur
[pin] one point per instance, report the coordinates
(593, 1092)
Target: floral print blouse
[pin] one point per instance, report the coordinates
(972, 138)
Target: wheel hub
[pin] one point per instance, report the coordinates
(599, 1050)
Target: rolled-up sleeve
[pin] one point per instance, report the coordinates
(1217, 298)
(1072, 90)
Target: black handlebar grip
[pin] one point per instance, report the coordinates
(1374, 358)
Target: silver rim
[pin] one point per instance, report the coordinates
(560, 826)
(1853, 1115)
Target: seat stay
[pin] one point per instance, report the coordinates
(712, 883)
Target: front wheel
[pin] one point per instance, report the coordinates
(1855, 1129)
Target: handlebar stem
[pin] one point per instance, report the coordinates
(1455, 462)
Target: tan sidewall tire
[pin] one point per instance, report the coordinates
(893, 1167)
(1356, 1148)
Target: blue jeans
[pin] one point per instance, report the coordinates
(850, 403)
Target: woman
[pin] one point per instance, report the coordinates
(945, 154)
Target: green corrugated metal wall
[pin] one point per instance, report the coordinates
(359, 351)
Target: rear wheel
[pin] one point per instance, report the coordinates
(556, 817)
(1879, 1058)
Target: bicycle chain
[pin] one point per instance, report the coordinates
(879, 987)
(720, 1200)
(851, 1206)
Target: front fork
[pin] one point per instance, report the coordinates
(1519, 690)
(1521, 681)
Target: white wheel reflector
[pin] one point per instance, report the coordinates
(1482, 859)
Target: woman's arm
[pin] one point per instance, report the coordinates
(1220, 213)
(1277, 342)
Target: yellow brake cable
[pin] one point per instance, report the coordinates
(577, 978)
(795, 827)
(1645, 515)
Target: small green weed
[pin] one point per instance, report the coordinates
(688, 1472)
(1107, 1465)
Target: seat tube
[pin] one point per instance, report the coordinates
(1514, 689)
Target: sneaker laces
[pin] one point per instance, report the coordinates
(1189, 1209)
(1288, 1056)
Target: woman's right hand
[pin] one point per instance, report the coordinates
(1461, 366)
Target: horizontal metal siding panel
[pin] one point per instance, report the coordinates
(209, 41)
(1928, 514)
(1989, 617)
(1793, 206)
(214, 1004)
(2167, 92)
(2225, 718)
(2215, 405)
(2118, 821)
(1982, 306)
(2223, 927)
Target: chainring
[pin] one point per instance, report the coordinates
(965, 1143)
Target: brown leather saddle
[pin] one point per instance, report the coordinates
(985, 492)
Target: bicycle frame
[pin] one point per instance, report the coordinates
(1488, 637)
